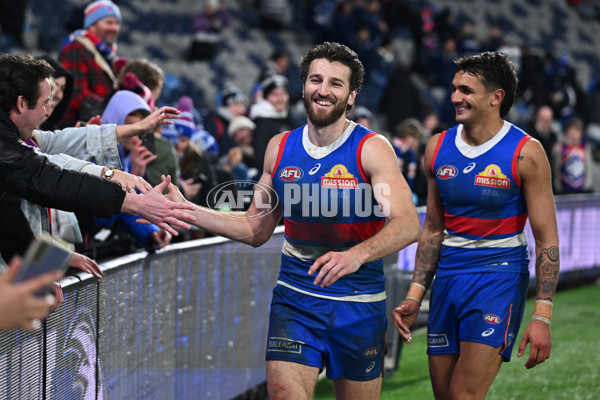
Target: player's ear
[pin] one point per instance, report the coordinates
(497, 96)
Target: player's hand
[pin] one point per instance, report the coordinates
(404, 316)
(155, 208)
(332, 266)
(174, 194)
(85, 264)
(538, 336)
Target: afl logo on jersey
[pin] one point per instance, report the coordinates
(492, 319)
(290, 174)
(446, 172)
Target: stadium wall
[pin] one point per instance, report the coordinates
(190, 322)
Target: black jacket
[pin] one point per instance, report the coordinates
(24, 173)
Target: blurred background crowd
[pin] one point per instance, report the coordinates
(231, 68)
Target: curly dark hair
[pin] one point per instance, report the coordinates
(335, 52)
(20, 75)
(496, 71)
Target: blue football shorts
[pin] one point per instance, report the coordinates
(480, 307)
(348, 338)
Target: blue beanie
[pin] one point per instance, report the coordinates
(98, 10)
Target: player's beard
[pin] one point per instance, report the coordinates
(324, 118)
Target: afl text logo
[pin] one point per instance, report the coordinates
(290, 174)
(492, 319)
(372, 352)
(446, 172)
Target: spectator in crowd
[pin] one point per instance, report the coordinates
(207, 27)
(345, 22)
(573, 168)
(19, 305)
(240, 161)
(485, 177)
(198, 172)
(401, 97)
(62, 91)
(24, 102)
(270, 114)
(277, 64)
(274, 14)
(408, 144)
(233, 103)
(148, 83)
(125, 108)
(363, 116)
(88, 55)
(545, 129)
(337, 275)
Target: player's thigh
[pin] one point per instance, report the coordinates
(441, 369)
(475, 371)
(290, 381)
(346, 389)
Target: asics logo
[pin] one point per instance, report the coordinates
(469, 168)
(487, 332)
(370, 367)
(314, 169)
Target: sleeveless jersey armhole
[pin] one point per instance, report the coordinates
(363, 174)
(280, 152)
(437, 149)
(515, 159)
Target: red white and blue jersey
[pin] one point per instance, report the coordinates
(328, 204)
(484, 207)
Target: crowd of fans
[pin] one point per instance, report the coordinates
(408, 49)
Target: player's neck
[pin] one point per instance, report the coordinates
(325, 135)
(476, 134)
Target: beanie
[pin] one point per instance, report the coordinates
(232, 95)
(273, 82)
(185, 125)
(131, 82)
(98, 10)
(238, 123)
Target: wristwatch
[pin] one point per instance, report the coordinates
(109, 173)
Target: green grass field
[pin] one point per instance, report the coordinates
(571, 373)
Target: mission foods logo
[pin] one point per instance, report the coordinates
(238, 195)
(492, 176)
(339, 177)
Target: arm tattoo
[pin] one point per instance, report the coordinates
(546, 270)
(428, 255)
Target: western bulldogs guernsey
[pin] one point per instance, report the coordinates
(484, 208)
(327, 204)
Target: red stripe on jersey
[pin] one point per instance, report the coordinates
(437, 149)
(516, 158)
(331, 233)
(362, 172)
(280, 152)
(484, 227)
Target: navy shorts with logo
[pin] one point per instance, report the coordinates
(348, 338)
(480, 307)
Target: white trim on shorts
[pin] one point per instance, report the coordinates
(359, 298)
